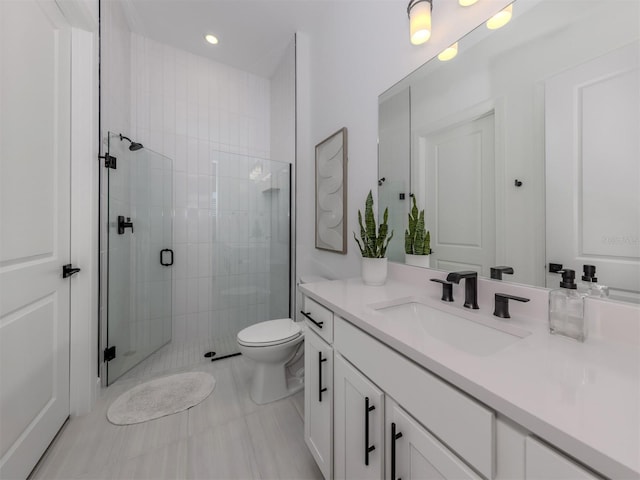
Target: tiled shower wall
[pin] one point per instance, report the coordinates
(213, 121)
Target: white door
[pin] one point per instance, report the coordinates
(592, 169)
(318, 401)
(34, 230)
(358, 424)
(458, 180)
(413, 453)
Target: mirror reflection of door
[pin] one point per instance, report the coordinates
(456, 167)
(592, 119)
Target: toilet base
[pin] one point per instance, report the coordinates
(270, 383)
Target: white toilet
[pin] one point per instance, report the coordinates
(272, 345)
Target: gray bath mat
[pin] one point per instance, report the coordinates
(160, 397)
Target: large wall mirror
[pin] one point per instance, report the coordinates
(524, 150)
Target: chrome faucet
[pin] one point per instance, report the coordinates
(470, 286)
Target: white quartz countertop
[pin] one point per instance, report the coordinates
(584, 398)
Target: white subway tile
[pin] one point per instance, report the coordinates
(204, 227)
(204, 259)
(180, 190)
(192, 156)
(192, 295)
(192, 190)
(204, 294)
(192, 260)
(180, 225)
(192, 225)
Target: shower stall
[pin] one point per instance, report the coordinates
(193, 257)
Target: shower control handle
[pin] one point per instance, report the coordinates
(122, 225)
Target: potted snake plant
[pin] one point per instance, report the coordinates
(374, 244)
(417, 239)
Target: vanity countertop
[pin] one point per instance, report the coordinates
(584, 398)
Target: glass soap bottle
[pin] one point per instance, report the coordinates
(590, 285)
(566, 309)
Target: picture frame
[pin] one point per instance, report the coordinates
(331, 193)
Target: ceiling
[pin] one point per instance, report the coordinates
(253, 34)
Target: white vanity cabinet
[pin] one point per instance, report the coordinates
(318, 385)
(466, 426)
(545, 463)
(358, 424)
(413, 453)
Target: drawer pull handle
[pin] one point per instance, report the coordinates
(320, 388)
(308, 315)
(367, 448)
(394, 437)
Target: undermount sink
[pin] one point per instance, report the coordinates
(480, 336)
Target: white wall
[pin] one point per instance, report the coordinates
(283, 149)
(345, 62)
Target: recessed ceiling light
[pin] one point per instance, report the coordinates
(467, 3)
(212, 39)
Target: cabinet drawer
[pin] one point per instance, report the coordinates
(466, 426)
(318, 318)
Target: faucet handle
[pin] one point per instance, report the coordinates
(501, 309)
(447, 289)
(497, 272)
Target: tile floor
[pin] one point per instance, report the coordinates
(227, 436)
(179, 355)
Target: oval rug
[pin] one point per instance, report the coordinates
(160, 397)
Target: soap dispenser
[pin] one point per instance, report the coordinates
(566, 309)
(590, 285)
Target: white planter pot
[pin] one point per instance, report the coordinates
(374, 271)
(417, 260)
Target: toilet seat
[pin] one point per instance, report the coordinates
(271, 332)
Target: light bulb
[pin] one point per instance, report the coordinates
(448, 53)
(212, 39)
(500, 19)
(420, 22)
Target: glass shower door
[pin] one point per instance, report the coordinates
(140, 256)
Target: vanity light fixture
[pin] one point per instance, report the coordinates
(501, 18)
(419, 12)
(212, 39)
(467, 3)
(448, 53)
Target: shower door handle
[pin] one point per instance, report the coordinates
(162, 262)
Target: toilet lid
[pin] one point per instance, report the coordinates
(271, 332)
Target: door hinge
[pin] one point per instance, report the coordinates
(109, 161)
(109, 353)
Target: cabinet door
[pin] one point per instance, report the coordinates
(544, 463)
(318, 401)
(358, 424)
(413, 453)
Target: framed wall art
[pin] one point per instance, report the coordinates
(331, 193)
